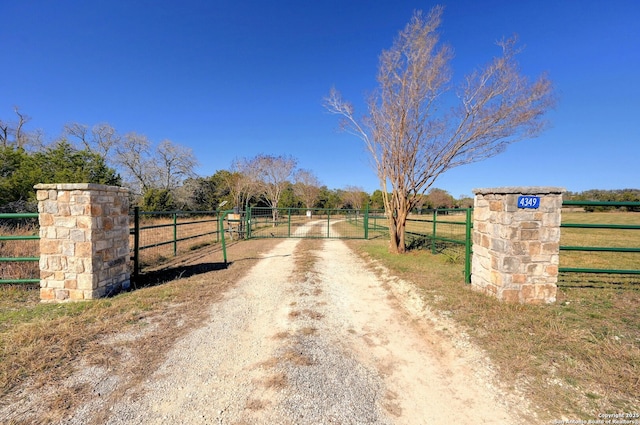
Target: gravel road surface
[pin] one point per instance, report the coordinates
(335, 343)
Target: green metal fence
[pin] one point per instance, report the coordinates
(18, 248)
(156, 236)
(601, 246)
(592, 243)
(443, 231)
(259, 222)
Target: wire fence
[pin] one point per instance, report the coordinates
(19, 249)
(443, 231)
(155, 237)
(304, 223)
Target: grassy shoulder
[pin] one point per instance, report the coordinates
(127, 335)
(577, 358)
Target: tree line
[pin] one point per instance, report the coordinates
(600, 195)
(84, 154)
(162, 177)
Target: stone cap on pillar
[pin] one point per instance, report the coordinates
(523, 190)
(79, 186)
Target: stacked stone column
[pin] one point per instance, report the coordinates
(516, 250)
(84, 241)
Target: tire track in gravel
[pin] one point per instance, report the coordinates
(325, 382)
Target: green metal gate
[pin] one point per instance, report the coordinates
(446, 231)
(259, 222)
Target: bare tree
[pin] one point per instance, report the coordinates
(145, 168)
(306, 187)
(421, 200)
(274, 173)
(411, 133)
(134, 158)
(243, 183)
(174, 163)
(21, 138)
(355, 197)
(102, 139)
(15, 129)
(4, 133)
(78, 131)
(105, 139)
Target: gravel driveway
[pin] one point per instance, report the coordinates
(333, 342)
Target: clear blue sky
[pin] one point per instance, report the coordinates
(238, 78)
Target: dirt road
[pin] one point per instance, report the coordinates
(312, 335)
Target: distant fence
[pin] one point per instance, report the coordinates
(264, 222)
(17, 248)
(603, 242)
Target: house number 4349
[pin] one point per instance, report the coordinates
(528, 202)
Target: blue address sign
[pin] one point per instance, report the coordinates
(529, 202)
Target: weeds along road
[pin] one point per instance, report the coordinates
(313, 336)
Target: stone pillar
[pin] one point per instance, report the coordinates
(84, 241)
(516, 243)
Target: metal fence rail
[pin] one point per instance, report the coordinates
(264, 222)
(164, 234)
(378, 221)
(446, 231)
(13, 252)
(610, 240)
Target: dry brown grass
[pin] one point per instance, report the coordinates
(307, 331)
(17, 249)
(297, 358)
(42, 344)
(575, 358)
(305, 257)
(159, 230)
(311, 314)
(277, 381)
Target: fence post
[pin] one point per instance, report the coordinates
(222, 238)
(248, 222)
(175, 233)
(433, 235)
(366, 221)
(467, 248)
(218, 232)
(136, 242)
(516, 243)
(84, 241)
